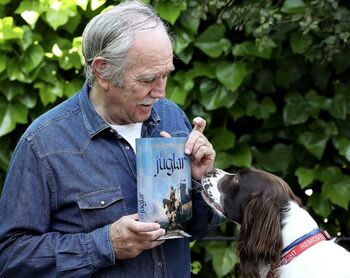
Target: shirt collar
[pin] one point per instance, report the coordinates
(94, 123)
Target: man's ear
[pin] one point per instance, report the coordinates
(98, 65)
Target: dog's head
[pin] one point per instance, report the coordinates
(257, 200)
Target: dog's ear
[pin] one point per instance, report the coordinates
(260, 237)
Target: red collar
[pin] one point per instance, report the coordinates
(298, 247)
(303, 246)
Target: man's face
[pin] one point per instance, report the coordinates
(151, 58)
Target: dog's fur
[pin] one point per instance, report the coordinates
(270, 218)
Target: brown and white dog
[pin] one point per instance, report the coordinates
(276, 236)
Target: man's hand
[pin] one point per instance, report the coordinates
(130, 237)
(200, 149)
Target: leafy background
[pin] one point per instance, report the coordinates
(270, 77)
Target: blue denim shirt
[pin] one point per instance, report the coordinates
(70, 177)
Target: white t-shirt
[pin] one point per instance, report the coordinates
(129, 132)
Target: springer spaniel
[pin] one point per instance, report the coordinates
(276, 236)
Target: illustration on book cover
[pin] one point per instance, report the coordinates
(164, 184)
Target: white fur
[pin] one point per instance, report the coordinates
(323, 260)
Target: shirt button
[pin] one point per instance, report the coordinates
(160, 264)
(111, 130)
(127, 147)
(102, 203)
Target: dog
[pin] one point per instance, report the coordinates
(276, 237)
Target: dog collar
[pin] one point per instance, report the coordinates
(302, 244)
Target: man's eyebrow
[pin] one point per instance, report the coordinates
(150, 76)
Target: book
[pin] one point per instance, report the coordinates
(164, 184)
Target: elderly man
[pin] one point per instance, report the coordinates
(69, 202)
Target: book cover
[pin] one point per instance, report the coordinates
(164, 184)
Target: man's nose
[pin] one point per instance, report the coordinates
(158, 87)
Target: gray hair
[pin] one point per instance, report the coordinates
(110, 35)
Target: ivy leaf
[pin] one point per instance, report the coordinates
(227, 143)
(242, 155)
(223, 160)
(8, 30)
(213, 95)
(300, 42)
(212, 41)
(231, 75)
(49, 92)
(338, 192)
(344, 147)
(56, 18)
(183, 39)
(10, 115)
(305, 176)
(314, 142)
(224, 259)
(261, 110)
(170, 11)
(320, 205)
(29, 11)
(293, 7)
(250, 49)
(33, 57)
(190, 19)
(277, 160)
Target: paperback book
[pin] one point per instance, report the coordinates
(164, 184)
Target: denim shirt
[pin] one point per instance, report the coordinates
(70, 177)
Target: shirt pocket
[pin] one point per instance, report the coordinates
(101, 207)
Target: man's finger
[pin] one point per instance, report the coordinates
(165, 134)
(199, 124)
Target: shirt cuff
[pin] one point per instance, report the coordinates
(101, 248)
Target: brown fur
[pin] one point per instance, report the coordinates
(260, 236)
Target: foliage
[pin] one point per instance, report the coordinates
(270, 78)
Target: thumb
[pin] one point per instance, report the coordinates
(165, 134)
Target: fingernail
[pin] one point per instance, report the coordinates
(187, 151)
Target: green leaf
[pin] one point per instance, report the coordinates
(341, 61)
(56, 18)
(288, 71)
(3, 62)
(183, 39)
(223, 160)
(11, 89)
(10, 115)
(314, 142)
(277, 160)
(190, 19)
(202, 69)
(344, 148)
(293, 6)
(250, 49)
(49, 92)
(231, 75)
(177, 91)
(33, 57)
(213, 95)
(338, 192)
(212, 41)
(300, 42)
(8, 31)
(223, 139)
(29, 11)
(305, 176)
(224, 259)
(320, 205)
(170, 11)
(337, 106)
(298, 109)
(261, 110)
(242, 155)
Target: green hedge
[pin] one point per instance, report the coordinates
(270, 77)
